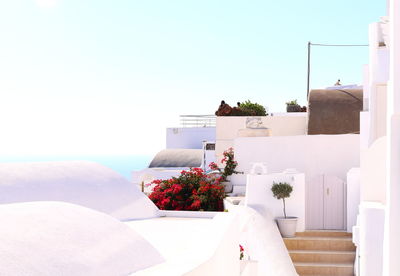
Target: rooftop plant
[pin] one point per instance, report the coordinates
(294, 102)
(282, 190)
(242, 109)
(253, 109)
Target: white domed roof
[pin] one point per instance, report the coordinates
(80, 182)
(55, 238)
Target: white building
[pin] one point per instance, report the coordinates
(377, 233)
(106, 226)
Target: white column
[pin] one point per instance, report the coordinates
(372, 75)
(392, 220)
(371, 219)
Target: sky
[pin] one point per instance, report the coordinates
(107, 77)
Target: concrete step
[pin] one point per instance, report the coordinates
(323, 233)
(320, 256)
(322, 253)
(324, 269)
(320, 243)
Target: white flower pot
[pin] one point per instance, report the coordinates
(287, 226)
(228, 186)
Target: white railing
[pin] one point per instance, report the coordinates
(198, 120)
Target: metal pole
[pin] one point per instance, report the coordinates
(308, 69)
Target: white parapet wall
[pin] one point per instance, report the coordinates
(311, 154)
(263, 243)
(211, 248)
(189, 137)
(372, 220)
(258, 193)
(282, 125)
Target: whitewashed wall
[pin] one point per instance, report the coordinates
(315, 155)
(378, 55)
(311, 154)
(364, 129)
(372, 221)
(353, 197)
(227, 128)
(189, 137)
(378, 76)
(381, 111)
(258, 193)
(373, 172)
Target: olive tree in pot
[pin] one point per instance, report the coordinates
(287, 225)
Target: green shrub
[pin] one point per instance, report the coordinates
(294, 102)
(282, 190)
(252, 109)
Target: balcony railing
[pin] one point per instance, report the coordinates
(198, 120)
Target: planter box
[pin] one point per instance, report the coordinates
(293, 108)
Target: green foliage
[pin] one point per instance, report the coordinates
(230, 165)
(252, 109)
(192, 190)
(282, 190)
(294, 102)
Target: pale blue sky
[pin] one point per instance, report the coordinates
(100, 77)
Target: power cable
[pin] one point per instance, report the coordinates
(323, 45)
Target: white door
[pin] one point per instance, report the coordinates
(333, 203)
(325, 203)
(315, 203)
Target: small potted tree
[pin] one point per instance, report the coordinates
(287, 225)
(293, 106)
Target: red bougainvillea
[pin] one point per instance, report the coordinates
(192, 190)
(230, 165)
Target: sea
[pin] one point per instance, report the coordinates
(123, 164)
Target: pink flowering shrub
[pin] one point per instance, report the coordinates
(230, 164)
(192, 190)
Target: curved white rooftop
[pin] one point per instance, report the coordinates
(80, 182)
(56, 238)
(177, 158)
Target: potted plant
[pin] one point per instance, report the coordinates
(287, 225)
(246, 108)
(293, 106)
(252, 109)
(228, 170)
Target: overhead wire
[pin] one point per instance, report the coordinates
(324, 45)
